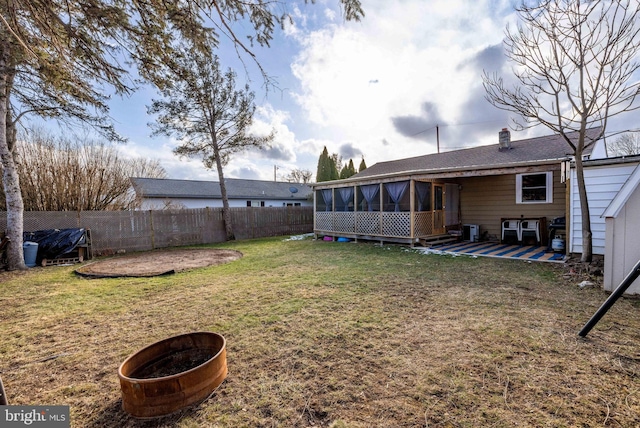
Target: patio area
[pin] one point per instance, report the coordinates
(493, 249)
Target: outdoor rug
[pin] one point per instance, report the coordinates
(486, 249)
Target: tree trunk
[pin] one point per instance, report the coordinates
(587, 247)
(226, 213)
(10, 180)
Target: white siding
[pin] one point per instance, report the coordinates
(603, 183)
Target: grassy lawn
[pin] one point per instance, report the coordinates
(334, 334)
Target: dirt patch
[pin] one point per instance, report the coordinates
(154, 263)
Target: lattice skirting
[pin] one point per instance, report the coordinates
(396, 224)
(368, 223)
(344, 222)
(423, 224)
(386, 224)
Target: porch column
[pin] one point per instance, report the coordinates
(381, 212)
(355, 212)
(333, 210)
(355, 198)
(333, 199)
(412, 188)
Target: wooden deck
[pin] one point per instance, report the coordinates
(488, 249)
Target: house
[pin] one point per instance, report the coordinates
(485, 192)
(155, 193)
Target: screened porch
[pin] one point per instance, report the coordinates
(401, 211)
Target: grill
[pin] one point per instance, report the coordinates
(557, 224)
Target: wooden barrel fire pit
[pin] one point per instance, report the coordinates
(172, 374)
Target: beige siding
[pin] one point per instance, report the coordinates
(485, 200)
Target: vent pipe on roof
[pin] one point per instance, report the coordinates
(504, 139)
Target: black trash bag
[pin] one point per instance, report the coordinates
(54, 243)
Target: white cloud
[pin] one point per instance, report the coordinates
(330, 14)
(355, 77)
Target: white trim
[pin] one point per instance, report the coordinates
(549, 188)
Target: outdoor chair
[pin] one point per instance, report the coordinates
(530, 227)
(511, 227)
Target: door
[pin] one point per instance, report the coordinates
(438, 209)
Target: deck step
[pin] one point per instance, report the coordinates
(437, 240)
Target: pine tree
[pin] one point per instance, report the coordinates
(334, 161)
(205, 111)
(363, 166)
(352, 168)
(348, 170)
(327, 167)
(344, 172)
(322, 173)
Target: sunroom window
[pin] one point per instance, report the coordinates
(536, 188)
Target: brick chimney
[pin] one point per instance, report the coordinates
(504, 139)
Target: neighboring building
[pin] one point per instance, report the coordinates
(155, 193)
(472, 190)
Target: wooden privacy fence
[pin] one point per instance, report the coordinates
(117, 231)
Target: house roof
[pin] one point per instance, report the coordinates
(236, 189)
(538, 150)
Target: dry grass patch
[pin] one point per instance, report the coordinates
(334, 335)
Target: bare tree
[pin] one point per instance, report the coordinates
(203, 109)
(574, 62)
(76, 173)
(625, 145)
(300, 176)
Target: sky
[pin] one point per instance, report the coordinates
(375, 89)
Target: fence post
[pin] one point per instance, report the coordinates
(153, 234)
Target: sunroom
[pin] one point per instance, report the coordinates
(404, 211)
